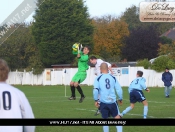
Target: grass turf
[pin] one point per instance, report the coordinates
(50, 102)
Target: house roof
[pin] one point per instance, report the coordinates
(169, 34)
(126, 64)
(62, 65)
(114, 64)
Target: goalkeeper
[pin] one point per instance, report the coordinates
(81, 74)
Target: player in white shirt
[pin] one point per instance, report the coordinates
(13, 103)
(97, 63)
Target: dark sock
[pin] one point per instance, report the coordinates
(72, 90)
(80, 91)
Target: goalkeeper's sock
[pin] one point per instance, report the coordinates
(72, 90)
(145, 112)
(80, 91)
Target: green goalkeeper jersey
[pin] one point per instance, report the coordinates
(83, 62)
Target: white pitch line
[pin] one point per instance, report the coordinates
(155, 102)
(73, 100)
(154, 106)
(123, 99)
(59, 97)
(148, 116)
(92, 99)
(141, 115)
(85, 109)
(126, 114)
(45, 97)
(80, 109)
(51, 101)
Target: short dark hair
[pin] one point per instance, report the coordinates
(4, 70)
(92, 58)
(140, 73)
(88, 47)
(166, 68)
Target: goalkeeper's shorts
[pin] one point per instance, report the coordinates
(79, 77)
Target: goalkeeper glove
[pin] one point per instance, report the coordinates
(80, 47)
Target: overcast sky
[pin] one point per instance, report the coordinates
(95, 7)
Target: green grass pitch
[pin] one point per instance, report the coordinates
(50, 102)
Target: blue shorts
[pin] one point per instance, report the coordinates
(108, 109)
(136, 96)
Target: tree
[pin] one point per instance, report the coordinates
(145, 63)
(167, 49)
(165, 40)
(7, 30)
(20, 51)
(108, 37)
(14, 48)
(131, 17)
(142, 43)
(162, 62)
(35, 63)
(58, 25)
(166, 57)
(39, 2)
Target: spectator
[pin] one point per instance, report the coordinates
(167, 78)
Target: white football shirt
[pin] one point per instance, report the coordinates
(14, 104)
(97, 66)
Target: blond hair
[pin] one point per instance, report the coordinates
(4, 70)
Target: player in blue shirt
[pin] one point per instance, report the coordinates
(136, 94)
(105, 85)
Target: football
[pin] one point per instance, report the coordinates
(75, 48)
